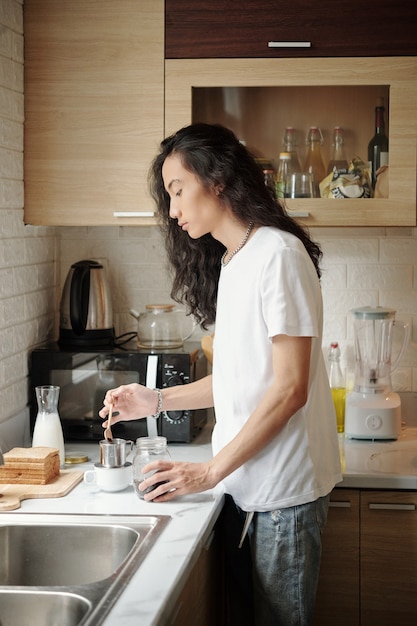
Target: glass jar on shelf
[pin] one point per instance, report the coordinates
(289, 142)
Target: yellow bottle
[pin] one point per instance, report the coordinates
(339, 397)
(337, 385)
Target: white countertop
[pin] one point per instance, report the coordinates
(151, 593)
(380, 464)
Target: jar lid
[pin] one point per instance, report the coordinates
(373, 313)
(150, 442)
(75, 457)
(160, 307)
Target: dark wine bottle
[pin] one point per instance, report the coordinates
(378, 146)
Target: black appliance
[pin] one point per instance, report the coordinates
(84, 376)
(86, 314)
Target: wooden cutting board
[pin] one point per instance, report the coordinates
(12, 495)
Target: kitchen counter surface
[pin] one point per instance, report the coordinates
(380, 464)
(150, 595)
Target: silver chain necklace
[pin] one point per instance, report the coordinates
(240, 246)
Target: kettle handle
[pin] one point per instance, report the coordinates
(79, 297)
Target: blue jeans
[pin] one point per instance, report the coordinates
(272, 580)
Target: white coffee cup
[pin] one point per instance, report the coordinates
(109, 478)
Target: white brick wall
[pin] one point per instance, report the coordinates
(135, 261)
(27, 254)
(371, 266)
(361, 266)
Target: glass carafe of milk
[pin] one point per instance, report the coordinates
(48, 428)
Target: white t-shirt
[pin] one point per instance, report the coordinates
(269, 288)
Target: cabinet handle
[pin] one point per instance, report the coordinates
(340, 505)
(289, 44)
(298, 213)
(134, 214)
(392, 507)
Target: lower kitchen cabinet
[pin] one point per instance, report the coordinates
(338, 591)
(388, 558)
(201, 601)
(368, 573)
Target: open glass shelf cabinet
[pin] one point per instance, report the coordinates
(258, 98)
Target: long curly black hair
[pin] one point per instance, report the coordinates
(219, 160)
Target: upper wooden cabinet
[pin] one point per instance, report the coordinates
(94, 98)
(97, 96)
(244, 28)
(258, 98)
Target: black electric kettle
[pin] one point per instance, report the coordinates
(86, 314)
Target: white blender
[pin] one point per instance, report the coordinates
(373, 409)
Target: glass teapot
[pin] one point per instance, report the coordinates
(162, 326)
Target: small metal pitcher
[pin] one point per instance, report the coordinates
(113, 453)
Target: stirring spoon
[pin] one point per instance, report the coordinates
(107, 433)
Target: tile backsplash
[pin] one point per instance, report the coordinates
(361, 266)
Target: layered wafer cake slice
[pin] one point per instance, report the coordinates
(30, 466)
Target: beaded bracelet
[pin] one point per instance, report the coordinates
(159, 407)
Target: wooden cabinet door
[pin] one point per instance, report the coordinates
(389, 558)
(339, 585)
(94, 92)
(200, 603)
(244, 28)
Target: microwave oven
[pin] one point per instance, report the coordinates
(85, 375)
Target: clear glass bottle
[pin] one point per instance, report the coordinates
(337, 385)
(338, 159)
(378, 146)
(148, 449)
(314, 160)
(283, 173)
(48, 428)
(289, 142)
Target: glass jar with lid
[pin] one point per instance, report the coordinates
(162, 326)
(148, 449)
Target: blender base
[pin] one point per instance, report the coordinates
(373, 416)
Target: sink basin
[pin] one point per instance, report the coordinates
(77, 565)
(41, 608)
(64, 554)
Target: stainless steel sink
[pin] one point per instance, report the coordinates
(41, 608)
(76, 564)
(63, 554)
